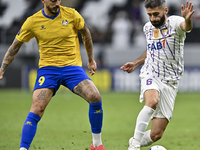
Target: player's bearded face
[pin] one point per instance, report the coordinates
(54, 10)
(158, 23)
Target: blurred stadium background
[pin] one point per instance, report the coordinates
(116, 28)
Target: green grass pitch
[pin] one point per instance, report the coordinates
(65, 124)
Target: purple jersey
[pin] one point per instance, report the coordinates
(165, 47)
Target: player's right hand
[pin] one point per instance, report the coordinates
(92, 66)
(128, 67)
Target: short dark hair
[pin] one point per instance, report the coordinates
(154, 3)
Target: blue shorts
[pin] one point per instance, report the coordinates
(53, 77)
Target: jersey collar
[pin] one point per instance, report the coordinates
(50, 17)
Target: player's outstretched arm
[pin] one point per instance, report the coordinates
(187, 13)
(87, 41)
(131, 66)
(9, 56)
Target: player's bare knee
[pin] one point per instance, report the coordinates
(152, 103)
(94, 97)
(38, 109)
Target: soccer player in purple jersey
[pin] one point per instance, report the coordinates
(162, 68)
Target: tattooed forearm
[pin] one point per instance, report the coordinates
(10, 54)
(4, 66)
(87, 41)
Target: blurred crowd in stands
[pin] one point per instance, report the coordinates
(115, 22)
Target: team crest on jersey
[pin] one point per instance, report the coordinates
(164, 32)
(65, 22)
(156, 33)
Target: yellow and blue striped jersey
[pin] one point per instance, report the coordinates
(57, 37)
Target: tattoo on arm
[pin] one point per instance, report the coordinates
(10, 54)
(87, 41)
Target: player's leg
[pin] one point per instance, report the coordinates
(161, 116)
(157, 129)
(40, 99)
(146, 139)
(151, 97)
(87, 90)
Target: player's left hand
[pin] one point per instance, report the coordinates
(92, 66)
(187, 11)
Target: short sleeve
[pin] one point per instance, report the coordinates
(178, 21)
(25, 33)
(79, 21)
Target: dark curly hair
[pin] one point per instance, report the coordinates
(154, 3)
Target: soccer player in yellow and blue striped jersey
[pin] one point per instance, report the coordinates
(56, 30)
